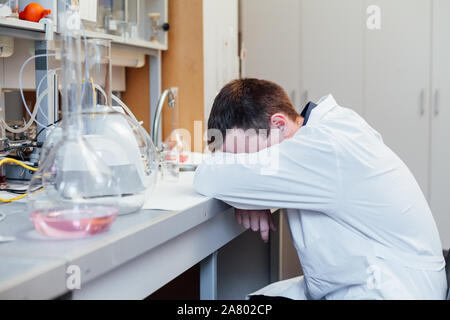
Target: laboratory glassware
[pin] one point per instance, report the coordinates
(113, 15)
(132, 10)
(117, 138)
(96, 73)
(9, 8)
(73, 194)
(128, 151)
(170, 163)
(98, 70)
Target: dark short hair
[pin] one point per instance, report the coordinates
(248, 104)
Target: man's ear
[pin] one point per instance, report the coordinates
(280, 122)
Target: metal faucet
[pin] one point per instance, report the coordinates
(170, 94)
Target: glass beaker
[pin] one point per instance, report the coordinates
(114, 16)
(104, 9)
(9, 8)
(74, 193)
(132, 18)
(170, 163)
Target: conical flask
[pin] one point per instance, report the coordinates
(74, 193)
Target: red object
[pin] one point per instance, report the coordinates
(34, 12)
(183, 158)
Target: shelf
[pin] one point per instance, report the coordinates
(35, 31)
(21, 24)
(21, 29)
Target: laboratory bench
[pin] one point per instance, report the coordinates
(139, 254)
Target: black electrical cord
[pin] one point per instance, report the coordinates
(50, 125)
(13, 191)
(19, 191)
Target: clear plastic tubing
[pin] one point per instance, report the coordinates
(32, 116)
(21, 82)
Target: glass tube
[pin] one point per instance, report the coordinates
(99, 69)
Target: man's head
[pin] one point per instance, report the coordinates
(251, 114)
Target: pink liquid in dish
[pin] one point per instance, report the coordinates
(74, 223)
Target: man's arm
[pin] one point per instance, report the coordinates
(297, 174)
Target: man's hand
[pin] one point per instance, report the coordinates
(261, 221)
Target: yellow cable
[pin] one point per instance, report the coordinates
(6, 160)
(13, 199)
(10, 160)
(94, 94)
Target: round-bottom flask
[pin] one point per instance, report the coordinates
(74, 194)
(127, 149)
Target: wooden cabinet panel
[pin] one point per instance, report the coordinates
(183, 63)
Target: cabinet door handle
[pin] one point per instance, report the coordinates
(422, 102)
(436, 103)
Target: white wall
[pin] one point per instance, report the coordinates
(220, 47)
(270, 32)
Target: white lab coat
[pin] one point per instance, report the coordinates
(359, 220)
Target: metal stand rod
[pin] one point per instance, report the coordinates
(208, 278)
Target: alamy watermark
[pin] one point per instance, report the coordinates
(73, 280)
(374, 17)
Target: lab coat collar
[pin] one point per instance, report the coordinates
(324, 105)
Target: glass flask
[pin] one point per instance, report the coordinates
(9, 8)
(127, 149)
(74, 193)
(116, 138)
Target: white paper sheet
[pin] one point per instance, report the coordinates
(175, 196)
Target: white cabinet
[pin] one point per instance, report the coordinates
(332, 51)
(440, 142)
(270, 36)
(397, 78)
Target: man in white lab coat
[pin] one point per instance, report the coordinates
(359, 220)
